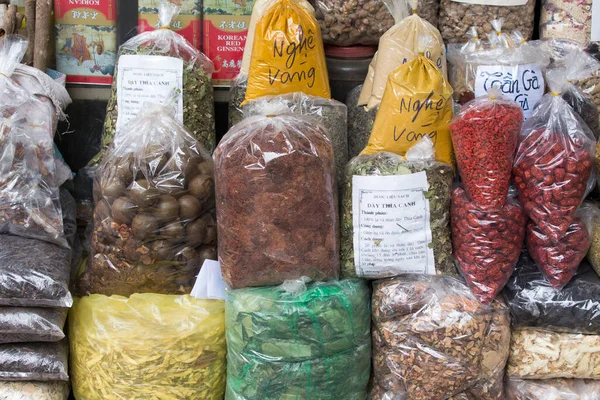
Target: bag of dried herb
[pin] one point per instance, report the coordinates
(21, 325)
(323, 352)
(429, 337)
(545, 389)
(133, 348)
(360, 123)
(593, 255)
(34, 361)
(331, 113)
(277, 207)
(395, 215)
(162, 55)
(34, 390)
(534, 302)
(154, 221)
(29, 198)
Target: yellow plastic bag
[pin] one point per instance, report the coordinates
(287, 54)
(417, 102)
(147, 346)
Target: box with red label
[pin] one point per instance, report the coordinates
(86, 40)
(225, 30)
(188, 23)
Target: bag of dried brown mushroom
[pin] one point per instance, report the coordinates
(34, 390)
(541, 354)
(149, 67)
(432, 339)
(552, 389)
(276, 201)
(20, 325)
(154, 222)
(34, 361)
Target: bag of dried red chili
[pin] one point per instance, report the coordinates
(559, 260)
(486, 242)
(554, 163)
(485, 135)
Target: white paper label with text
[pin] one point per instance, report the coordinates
(392, 228)
(147, 79)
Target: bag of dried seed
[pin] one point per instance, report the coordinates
(154, 216)
(149, 67)
(21, 325)
(34, 361)
(395, 215)
(135, 348)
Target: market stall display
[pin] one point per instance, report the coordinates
(273, 226)
(21, 325)
(324, 351)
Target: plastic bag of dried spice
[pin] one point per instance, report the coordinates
(593, 255)
(147, 346)
(559, 259)
(273, 226)
(552, 389)
(375, 245)
(165, 61)
(554, 164)
(429, 337)
(154, 218)
(487, 242)
(485, 135)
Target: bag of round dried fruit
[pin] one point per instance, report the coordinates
(487, 242)
(485, 135)
(554, 165)
(167, 61)
(154, 217)
(559, 259)
(277, 206)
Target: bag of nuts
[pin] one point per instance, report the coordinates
(154, 221)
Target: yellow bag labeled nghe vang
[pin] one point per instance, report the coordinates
(287, 54)
(417, 102)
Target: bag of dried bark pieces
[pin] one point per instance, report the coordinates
(458, 16)
(277, 207)
(34, 361)
(552, 389)
(165, 61)
(135, 348)
(323, 352)
(534, 302)
(376, 245)
(542, 354)
(29, 198)
(429, 337)
(34, 390)
(400, 45)
(21, 325)
(154, 221)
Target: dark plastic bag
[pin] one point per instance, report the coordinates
(34, 361)
(21, 325)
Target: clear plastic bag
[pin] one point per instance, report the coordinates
(554, 164)
(20, 325)
(533, 302)
(428, 337)
(34, 390)
(154, 218)
(273, 226)
(390, 175)
(133, 348)
(360, 123)
(29, 198)
(457, 55)
(552, 389)
(34, 361)
(583, 72)
(178, 64)
(486, 242)
(593, 255)
(558, 260)
(542, 354)
(323, 352)
(563, 19)
(485, 135)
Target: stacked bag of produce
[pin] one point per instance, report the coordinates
(37, 231)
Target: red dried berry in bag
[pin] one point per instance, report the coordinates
(485, 136)
(487, 242)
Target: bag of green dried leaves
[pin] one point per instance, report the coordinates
(149, 67)
(395, 216)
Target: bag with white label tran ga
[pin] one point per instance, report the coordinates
(396, 215)
(149, 67)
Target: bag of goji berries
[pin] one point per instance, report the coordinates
(487, 242)
(559, 260)
(485, 135)
(553, 167)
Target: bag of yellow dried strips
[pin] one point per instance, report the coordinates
(147, 346)
(287, 54)
(417, 102)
